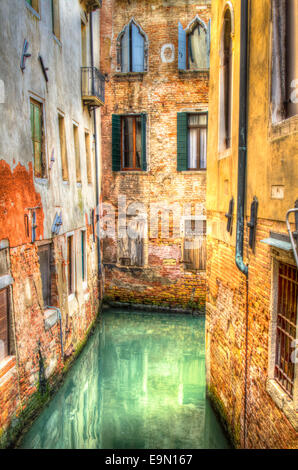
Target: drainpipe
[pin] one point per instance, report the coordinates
(242, 151)
(96, 153)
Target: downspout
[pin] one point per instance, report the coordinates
(242, 150)
(96, 152)
(242, 161)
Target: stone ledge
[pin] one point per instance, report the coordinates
(284, 403)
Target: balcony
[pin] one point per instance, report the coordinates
(93, 87)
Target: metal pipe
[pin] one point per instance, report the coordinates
(60, 323)
(290, 233)
(96, 153)
(242, 150)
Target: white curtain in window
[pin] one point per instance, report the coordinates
(203, 148)
(192, 154)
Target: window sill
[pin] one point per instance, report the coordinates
(5, 281)
(41, 181)
(34, 12)
(51, 318)
(71, 297)
(194, 72)
(282, 400)
(65, 183)
(129, 76)
(192, 172)
(132, 172)
(7, 366)
(225, 153)
(57, 40)
(283, 128)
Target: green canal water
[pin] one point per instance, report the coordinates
(138, 384)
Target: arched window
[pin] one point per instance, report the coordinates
(132, 47)
(226, 72)
(194, 45)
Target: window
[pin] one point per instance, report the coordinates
(44, 254)
(37, 135)
(77, 153)
(70, 265)
(63, 148)
(34, 4)
(284, 59)
(88, 158)
(194, 249)
(129, 142)
(131, 243)
(84, 255)
(84, 44)
(226, 63)
(194, 45)
(286, 327)
(4, 324)
(56, 18)
(132, 46)
(197, 141)
(191, 141)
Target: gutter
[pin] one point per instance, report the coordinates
(242, 150)
(96, 152)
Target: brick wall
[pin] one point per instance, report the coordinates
(161, 93)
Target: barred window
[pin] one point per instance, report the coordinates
(286, 327)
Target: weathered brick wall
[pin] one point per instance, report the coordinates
(267, 425)
(19, 379)
(161, 93)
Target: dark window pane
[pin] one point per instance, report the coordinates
(138, 141)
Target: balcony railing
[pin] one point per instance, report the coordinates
(93, 87)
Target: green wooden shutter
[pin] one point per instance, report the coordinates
(182, 142)
(144, 146)
(116, 142)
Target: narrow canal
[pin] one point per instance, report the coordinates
(139, 383)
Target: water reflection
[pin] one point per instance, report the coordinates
(140, 383)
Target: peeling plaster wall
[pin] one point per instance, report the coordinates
(20, 190)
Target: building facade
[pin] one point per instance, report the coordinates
(154, 129)
(50, 284)
(251, 319)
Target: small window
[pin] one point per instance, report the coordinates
(286, 333)
(77, 153)
(63, 149)
(197, 141)
(194, 249)
(56, 18)
(34, 4)
(44, 254)
(84, 44)
(284, 60)
(84, 255)
(4, 324)
(131, 45)
(37, 135)
(88, 157)
(70, 265)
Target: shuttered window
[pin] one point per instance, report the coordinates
(44, 254)
(132, 49)
(70, 265)
(129, 142)
(63, 147)
(194, 47)
(76, 144)
(194, 250)
(4, 324)
(37, 135)
(191, 141)
(131, 245)
(84, 255)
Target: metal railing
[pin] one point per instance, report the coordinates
(93, 85)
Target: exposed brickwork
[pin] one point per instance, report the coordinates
(267, 426)
(161, 93)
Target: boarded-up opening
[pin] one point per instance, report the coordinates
(44, 253)
(194, 249)
(131, 245)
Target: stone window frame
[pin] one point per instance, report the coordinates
(196, 21)
(182, 231)
(71, 295)
(288, 126)
(124, 223)
(84, 282)
(34, 9)
(287, 405)
(225, 152)
(146, 49)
